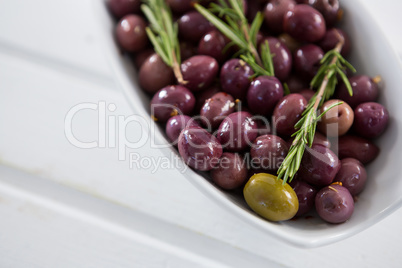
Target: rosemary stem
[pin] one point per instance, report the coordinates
(251, 46)
(176, 69)
(324, 84)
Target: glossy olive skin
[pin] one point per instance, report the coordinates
(328, 8)
(234, 78)
(176, 124)
(288, 112)
(237, 131)
(319, 165)
(216, 108)
(155, 74)
(213, 44)
(120, 8)
(199, 149)
(274, 13)
(307, 60)
(364, 90)
(336, 121)
(199, 72)
(268, 152)
(356, 147)
(170, 101)
(270, 198)
(305, 194)
(263, 94)
(231, 172)
(334, 204)
(371, 119)
(332, 37)
(352, 175)
(193, 26)
(130, 33)
(281, 57)
(304, 23)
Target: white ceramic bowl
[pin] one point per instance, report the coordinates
(371, 55)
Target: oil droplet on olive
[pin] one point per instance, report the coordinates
(267, 196)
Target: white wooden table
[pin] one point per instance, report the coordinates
(61, 206)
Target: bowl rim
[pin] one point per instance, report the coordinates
(113, 57)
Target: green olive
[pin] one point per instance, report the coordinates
(270, 198)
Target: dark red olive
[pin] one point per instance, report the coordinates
(287, 113)
(359, 148)
(319, 165)
(304, 23)
(155, 74)
(352, 175)
(199, 72)
(237, 131)
(199, 149)
(231, 171)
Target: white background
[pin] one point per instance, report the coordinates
(61, 206)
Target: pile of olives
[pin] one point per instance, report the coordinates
(238, 128)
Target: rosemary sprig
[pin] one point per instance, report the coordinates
(237, 29)
(332, 65)
(163, 34)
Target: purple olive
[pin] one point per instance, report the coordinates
(305, 194)
(199, 149)
(176, 124)
(319, 165)
(213, 44)
(352, 175)
(328, 8)
(304, 23)
(355, 147)
(235, 78)
(193, 26)
(364, 90)
(307, 60)
(288, 112)
(334, 204)
(199, 72)
(231, 172)
(216, 109)
(170, 101)
(130, 33)
(371, 119)
(281, 57)
(332, 38)
(237, 131)
(268, 152)
(155, 74)
(274, 13)
(263, 94)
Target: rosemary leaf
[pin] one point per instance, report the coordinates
(255, 27)
(222, 27)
